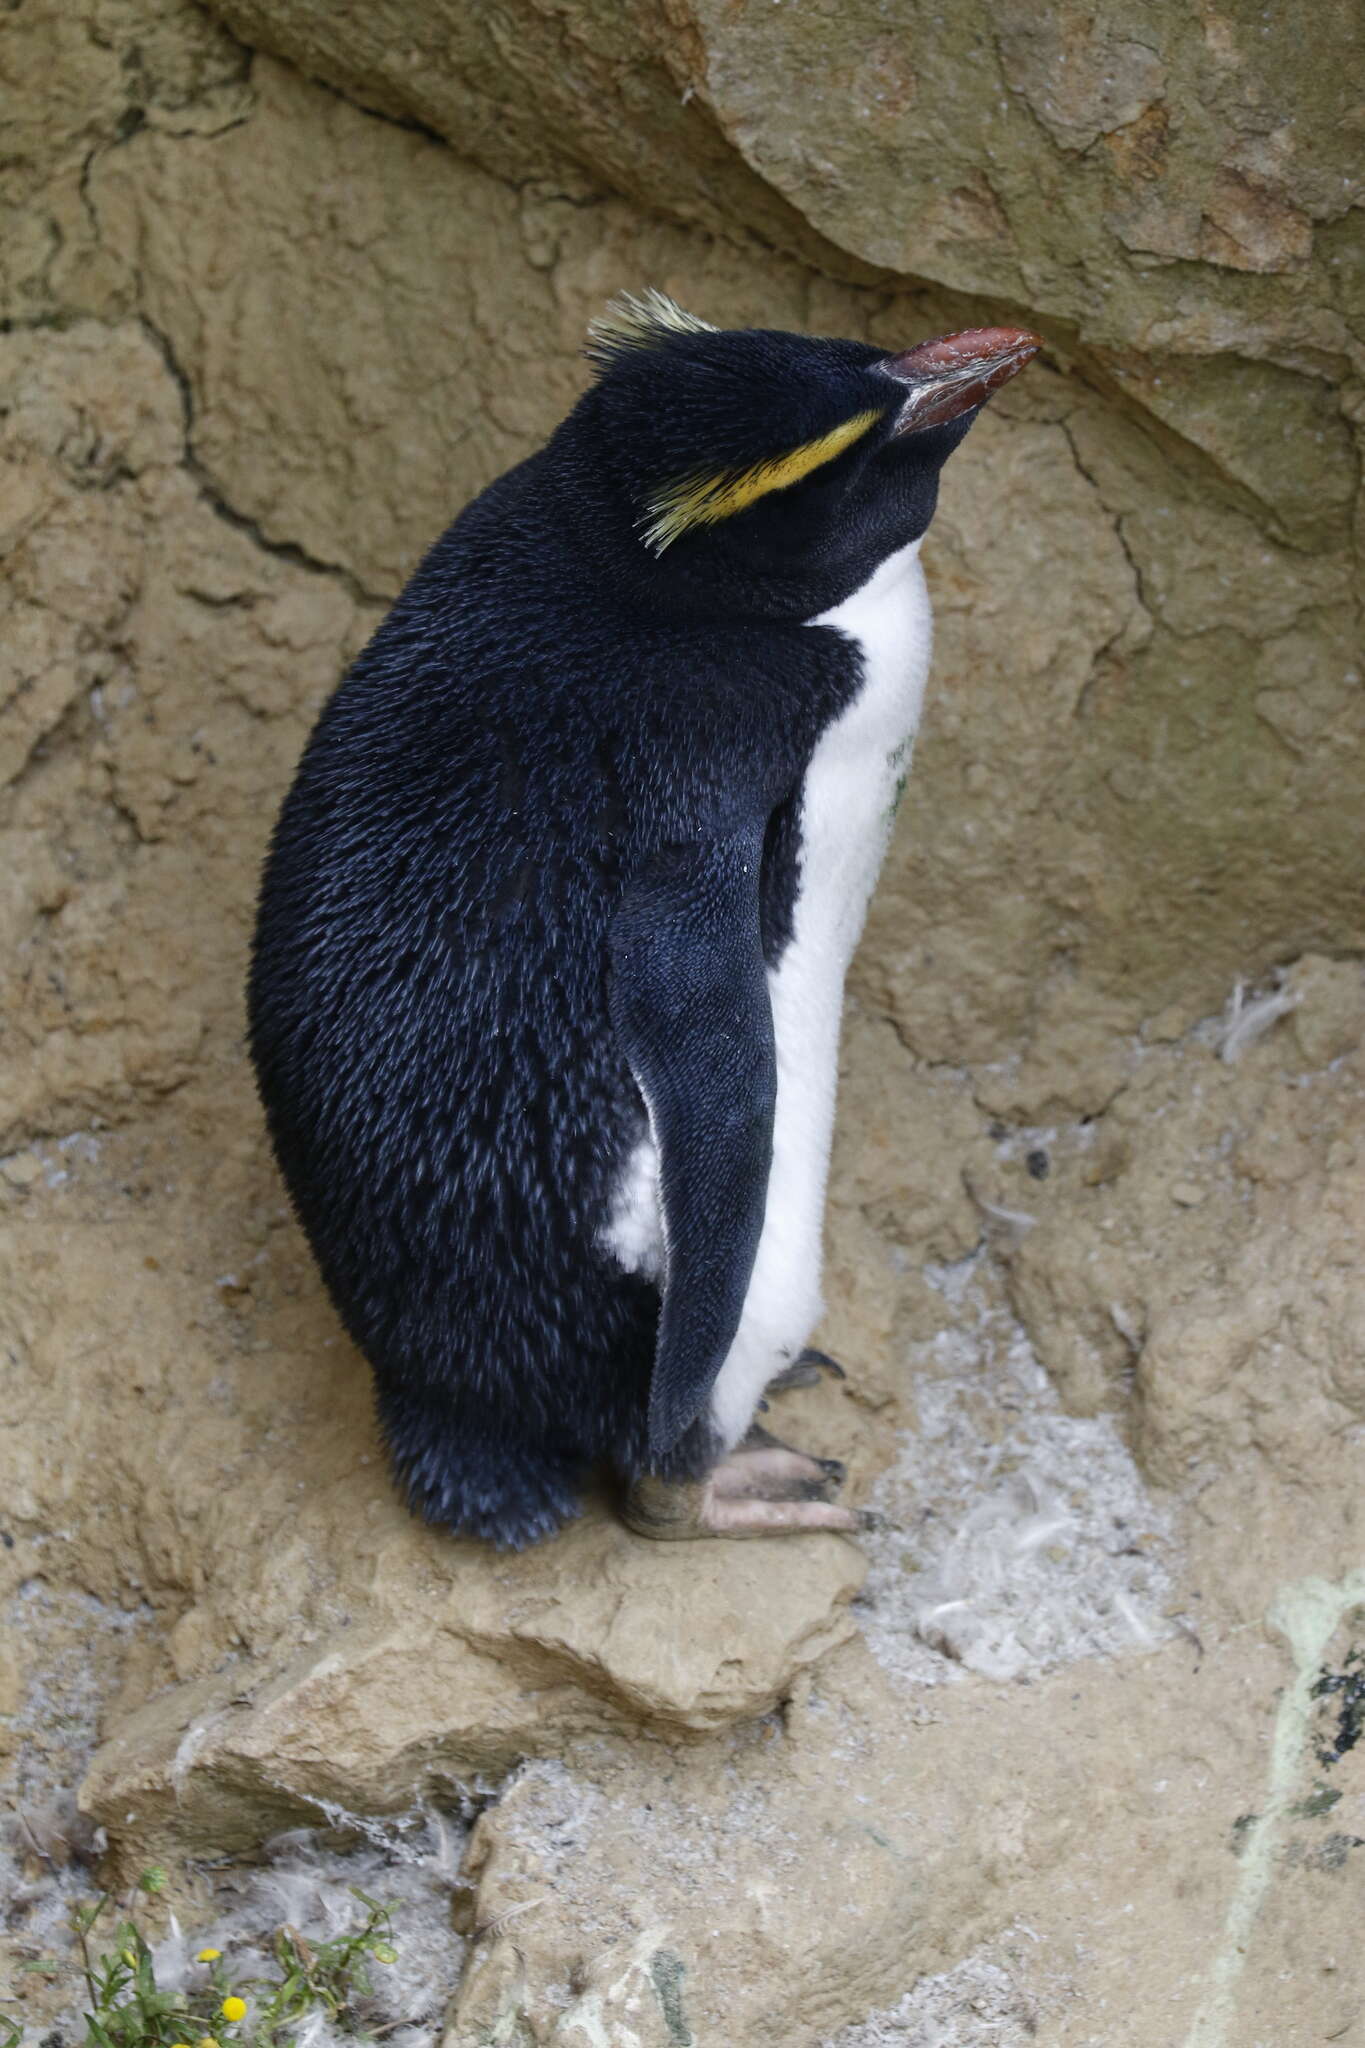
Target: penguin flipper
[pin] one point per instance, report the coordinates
(689, 1003)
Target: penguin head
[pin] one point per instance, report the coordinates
(777, 467)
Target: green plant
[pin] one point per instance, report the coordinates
(127, 2008)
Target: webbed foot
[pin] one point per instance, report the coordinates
(764, 1488)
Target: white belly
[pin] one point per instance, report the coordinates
(848, 801)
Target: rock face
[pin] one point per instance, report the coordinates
(259, 343)
(1065, 162)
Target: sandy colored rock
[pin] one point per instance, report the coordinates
(1208, 1265)
(165, 666)
(728, 1912)
(1329, 1016)
(450, 1666)
(1277, 1366)
(910, 1132)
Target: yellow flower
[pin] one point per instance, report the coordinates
(208, 1955)
(233, 2008)
(207, 2041)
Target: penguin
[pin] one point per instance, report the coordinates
(549, 958)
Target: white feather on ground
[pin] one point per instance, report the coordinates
(1248, 1018)
(306, 1883)
(1017, 1537)
(976, 2005)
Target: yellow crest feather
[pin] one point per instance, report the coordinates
(640, 320)
(705, 500)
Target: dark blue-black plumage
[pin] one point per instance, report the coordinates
(541, 848)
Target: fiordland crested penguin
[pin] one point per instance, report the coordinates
(553, 931)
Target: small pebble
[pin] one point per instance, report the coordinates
(1186, 1193)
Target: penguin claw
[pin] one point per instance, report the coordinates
(806, 1370)
(793, 1376)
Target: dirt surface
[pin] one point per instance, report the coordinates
(1063, 1753)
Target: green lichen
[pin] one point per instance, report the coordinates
(1320, 1801)
(1241, 1827)
(1347, 1688)
(667, 1971)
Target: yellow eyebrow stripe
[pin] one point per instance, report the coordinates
(705, 500)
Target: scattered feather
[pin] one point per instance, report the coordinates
(1247, 1019)
(1010, 1538)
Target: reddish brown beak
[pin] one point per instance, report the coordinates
(949, 376)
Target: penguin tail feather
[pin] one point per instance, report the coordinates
(510, 1495)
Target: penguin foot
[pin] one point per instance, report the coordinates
(762, 1489)
(807, 1370)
